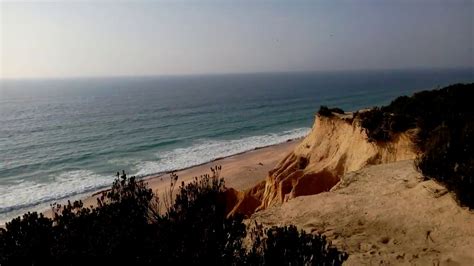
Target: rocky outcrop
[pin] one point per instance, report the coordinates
(336, 145)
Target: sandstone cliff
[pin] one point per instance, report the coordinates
(336, 145)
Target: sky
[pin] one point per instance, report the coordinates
(40, 39)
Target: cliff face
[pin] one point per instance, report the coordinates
(336, 145)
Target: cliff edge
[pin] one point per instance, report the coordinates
(336, 145)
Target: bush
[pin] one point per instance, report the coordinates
(448, 158)
(328, 112)
(377, 124)
(27, 240)
(288, 246)
(195, 226)
(444, 119)
(128, 227)
(115, 229)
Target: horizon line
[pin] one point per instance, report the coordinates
(126, 76)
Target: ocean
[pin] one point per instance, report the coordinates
(63, 138)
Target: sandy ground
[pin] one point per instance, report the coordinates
(385, 215)
(239, 171)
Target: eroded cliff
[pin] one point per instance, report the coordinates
(336, 145)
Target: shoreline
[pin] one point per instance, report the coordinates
(236, 169)
(240, 171)
(148, 177)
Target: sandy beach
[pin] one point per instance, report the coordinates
(240, 171)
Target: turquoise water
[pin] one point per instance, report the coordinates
(64, 138)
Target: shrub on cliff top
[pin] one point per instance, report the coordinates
(445, 122)
(127, 228)
(328, 112)
(449, 159)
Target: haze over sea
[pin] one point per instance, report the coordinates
(61, 138)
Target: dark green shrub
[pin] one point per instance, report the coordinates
(444, 119)
(27, 240)
(376, 124)
(196, 227)
(288, 246)
(328, 112)
(448, 158)
(114, 229)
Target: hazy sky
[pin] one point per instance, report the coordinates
(105, 38)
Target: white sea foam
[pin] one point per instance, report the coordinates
(207, 150)
(29, 195)
(20, 197)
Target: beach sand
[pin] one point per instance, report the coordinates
(240, 171)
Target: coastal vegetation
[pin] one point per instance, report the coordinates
(328, 112)
(130, 225)
(443, 120)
